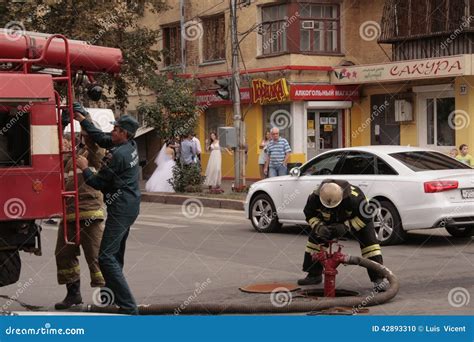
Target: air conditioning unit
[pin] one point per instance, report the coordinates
(307, 24)
(403, 111)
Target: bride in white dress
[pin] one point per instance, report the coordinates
(158, 182)
(214, 165)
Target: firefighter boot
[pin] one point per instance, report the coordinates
(311, 279)
(73, 296)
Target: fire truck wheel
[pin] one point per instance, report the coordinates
(10, 267)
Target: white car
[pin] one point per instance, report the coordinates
(409, 188)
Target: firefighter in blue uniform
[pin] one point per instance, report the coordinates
(333, 209)
(118, 181)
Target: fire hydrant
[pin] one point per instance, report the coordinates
(330, 261)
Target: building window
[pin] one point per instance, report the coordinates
(319, 30)
(277, 116)
(215, 118)
(273, 29)
(439, 130)
(214, 38)
(172, 45)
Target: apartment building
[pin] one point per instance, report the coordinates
(288, 51)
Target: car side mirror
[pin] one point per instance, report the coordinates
(295, 172)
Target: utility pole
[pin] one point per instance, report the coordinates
(239, 159)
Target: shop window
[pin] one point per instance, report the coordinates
(273, 29)
(319, 28)
(15, 136)
(278, 116)
(439, 130)
(215, 118)
(214, 38)
(172, 45)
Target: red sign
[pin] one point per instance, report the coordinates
(210, 99)
(323, 92)
(264, 91)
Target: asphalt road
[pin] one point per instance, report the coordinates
(174, 250)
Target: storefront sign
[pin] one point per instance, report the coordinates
(266, 92)
(302, 92)
(210, 99)
(405, 70)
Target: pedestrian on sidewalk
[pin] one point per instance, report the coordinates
(198, 148)
(464, 155)
(278, 153)
(118, 181)
(188, 150)
(453, 153)
(91, 215)
(262, 156)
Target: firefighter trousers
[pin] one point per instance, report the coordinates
(67, 260)
(369, 246)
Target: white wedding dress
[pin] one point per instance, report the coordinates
(213, 170)
(158, 181)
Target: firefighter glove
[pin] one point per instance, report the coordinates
(323, 232)
(338, 230)
(78, 108)
(65, 118)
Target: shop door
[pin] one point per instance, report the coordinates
(324, 131)
(384, 129)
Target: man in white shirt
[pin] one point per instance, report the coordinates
(198, 148)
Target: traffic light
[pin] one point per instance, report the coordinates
(224, 88)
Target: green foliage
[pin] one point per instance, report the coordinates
(186, 178)
(113, 23)
(174, 111)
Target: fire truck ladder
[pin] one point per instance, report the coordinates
(27, 63)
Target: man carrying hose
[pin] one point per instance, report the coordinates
(333, 209)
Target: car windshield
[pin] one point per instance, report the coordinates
(427, 161)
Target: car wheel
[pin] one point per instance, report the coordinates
(461, 232)
(263, 214)
(10, 267)
(388, 225)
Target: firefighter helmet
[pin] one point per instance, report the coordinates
(330, 195)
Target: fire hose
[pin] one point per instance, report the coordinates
(356, 302)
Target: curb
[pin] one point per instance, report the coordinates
(180, 199)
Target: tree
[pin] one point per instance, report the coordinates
(106, 23)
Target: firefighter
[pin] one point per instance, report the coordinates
(118, 181)
(333, 209)
(91, 214)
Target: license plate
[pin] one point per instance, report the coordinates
(467, 193)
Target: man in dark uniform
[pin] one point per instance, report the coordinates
(332, 210)
(118, 181)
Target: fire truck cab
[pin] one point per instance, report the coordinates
(31, 156)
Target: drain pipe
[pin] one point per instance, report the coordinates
(356, 302)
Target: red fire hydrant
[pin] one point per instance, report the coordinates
(330, 261)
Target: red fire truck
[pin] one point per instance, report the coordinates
(33, 67)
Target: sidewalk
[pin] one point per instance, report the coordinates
(226, 200)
